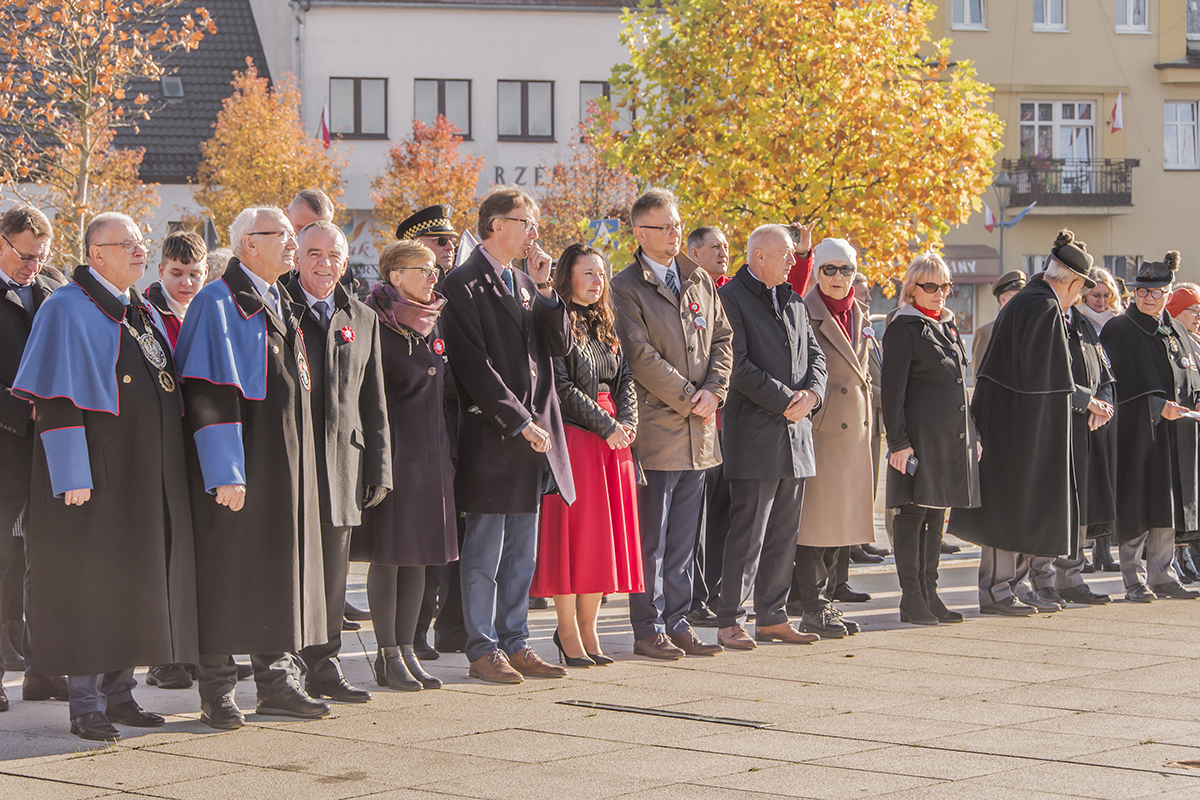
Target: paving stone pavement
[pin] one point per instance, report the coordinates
(1098, 702)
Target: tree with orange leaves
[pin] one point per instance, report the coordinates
(424, 169)
(260, 154)
(65, 66)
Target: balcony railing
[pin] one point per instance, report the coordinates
(1071, 182)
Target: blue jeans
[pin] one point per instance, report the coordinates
(88, 693)
(669, 508)
(496, 567)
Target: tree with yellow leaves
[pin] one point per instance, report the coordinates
(260, 154)
(842, 113)
(65, 66)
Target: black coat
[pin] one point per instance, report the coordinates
(16, 423)
(1095, 451)
(350, 420)
(1157, 467)
(1023, 406)
(259, 571)
(415, 524)
(578, 386)
(773, 357)
(502, 352)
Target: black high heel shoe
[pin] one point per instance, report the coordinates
(571, 662)
(601, 660)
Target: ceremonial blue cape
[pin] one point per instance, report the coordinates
(221, 345)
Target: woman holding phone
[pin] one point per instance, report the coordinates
(933, 448)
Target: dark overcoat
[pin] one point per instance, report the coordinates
(925, 407)
(260, 578)
(1023, 407)
(502, 349)
(16, 423)
(774, 356)
(112, 582)
(1153, 362)
(1095, 450)
(350, 420)
(415, 525)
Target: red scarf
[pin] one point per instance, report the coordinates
(842, 310)
(936, 316)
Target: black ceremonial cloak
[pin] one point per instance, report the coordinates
(1095, 451)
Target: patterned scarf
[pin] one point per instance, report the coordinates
(400, 313)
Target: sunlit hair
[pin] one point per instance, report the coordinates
(1102, 276)
(597, 321)
(186, 247)
(244, 223)
(24, 217)
(499, 202)
(102, 221)
(925, 268)
(402, 254)
(328, 227)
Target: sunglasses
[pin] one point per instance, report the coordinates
(934, 288)
(830, 270)
(1155, 293)
(440, 241)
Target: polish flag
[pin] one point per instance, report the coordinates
(989, 220)
(324, 131)
(1118, 121)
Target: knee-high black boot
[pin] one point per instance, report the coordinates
(906, 539)
(931, 551)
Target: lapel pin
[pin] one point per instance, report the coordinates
(348, 333)
(439, 346)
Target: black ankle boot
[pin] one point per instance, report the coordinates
(415, 669)
(1102, 556)
(390, 670)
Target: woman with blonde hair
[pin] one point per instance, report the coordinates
(1103, 302)
(932, 442)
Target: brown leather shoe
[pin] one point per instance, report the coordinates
(494, 668)
(736, 638)
(531, 665)
(693, 645)
(783, 632)
(657, 646)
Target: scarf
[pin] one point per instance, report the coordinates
(1098, 318)
(842, 311)
(936, 316)
(403, 315)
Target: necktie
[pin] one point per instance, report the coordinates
(24, 294)
(321, 309)
(506, 275)
(274, 297)
(672, 284)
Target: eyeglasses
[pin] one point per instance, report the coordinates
(442, 241)
(24, 258)
(1155, 293)
(427, 272)
(284, 234)
(129, 245)
(934, 288)
(831, 270)
(674, 226)
(527, 224)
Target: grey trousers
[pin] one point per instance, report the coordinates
(1037, 571)
(86, 693)
(1159, 544)
(759, 549)
(998, 573)
(669, 508)
(322, 659)
(216, 676)
(1068, 570)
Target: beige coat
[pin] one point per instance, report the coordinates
(672, 356)
(983, 335)
(839, 500)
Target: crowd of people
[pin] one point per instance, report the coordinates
(190, 471)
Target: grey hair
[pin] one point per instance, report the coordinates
(1060, 273)
(328, 227)
(243, 223)
(762, 234)
(316, 201)
(100, 222)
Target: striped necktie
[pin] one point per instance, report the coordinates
(672, 284)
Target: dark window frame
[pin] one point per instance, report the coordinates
(357, 132)
(441, 102)
(524, 135)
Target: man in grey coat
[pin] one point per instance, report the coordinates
(350, 424)
(778, 382)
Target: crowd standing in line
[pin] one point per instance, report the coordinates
(486, 433)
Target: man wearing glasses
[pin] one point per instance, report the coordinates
(679, 345)
(25, 240)
(248, 386)
(1024, 407)
(431, 227)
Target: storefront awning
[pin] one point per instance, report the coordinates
(972, 263)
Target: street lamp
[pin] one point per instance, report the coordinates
(1003, 186)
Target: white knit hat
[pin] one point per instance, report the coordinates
(830, 250)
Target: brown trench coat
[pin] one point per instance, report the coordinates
(838, 501)
(673, 352)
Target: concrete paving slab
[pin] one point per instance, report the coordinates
(1028, 743)
(666, 764)
(973, 710)
(122, 769)
(1100, 723)
(783, 745)
(527, 746)
(274, 784)
(1103, 783)
(925, 762)
(398, 765)
(1147, 756)
(551, 781)
(826, 783)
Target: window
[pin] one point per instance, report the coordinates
(1179, 136)
(358, 108)
(1032, 265)
(525, 110)
(1057, 129)
(1131, 16)
(451, 99)
(967, 14)
(1049, 15)
(1193, 20)
(1123, 267)
(590, 91)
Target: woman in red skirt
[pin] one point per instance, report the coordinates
(591, 548)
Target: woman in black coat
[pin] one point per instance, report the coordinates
(414, 526)
(932, 443)
(591, 548)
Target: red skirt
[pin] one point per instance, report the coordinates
(594, 545)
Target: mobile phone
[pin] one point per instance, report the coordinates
(910, 466)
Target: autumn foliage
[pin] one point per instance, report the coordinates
(260, 154)
(66, 67)
(425, 168)
(758, 111)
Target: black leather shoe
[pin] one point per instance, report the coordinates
(1083, 594)
(353, 613)
(1008, 607)
(876, 551)
(351, 625)
(222, 713)
(1140, 593)
(861, 556)
(842, 593)
(94, 726)
(825, 623)
(291, 703)
(169, 676)
(850, 625)
(950, 549)
(423, 651)
(44, 687)
(130, 713)
(701, 617)
(538, 603)
(3, 699)
(1175, 591)
(339, 690)
(1088, 568)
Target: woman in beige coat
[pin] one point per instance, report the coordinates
(838, 501)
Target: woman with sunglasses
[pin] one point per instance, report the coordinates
(932, 443)
(1158, 381)
(414, 526)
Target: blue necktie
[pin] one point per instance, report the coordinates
(321, 308)
(671, 283)
(275, 301)
(506, 275)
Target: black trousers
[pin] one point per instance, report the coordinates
(710, 539)
(449, 631)
(759, 548)
(430, 605)
(815, 574)
(321, 659)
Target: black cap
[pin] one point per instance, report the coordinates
(1015, 279)
(431, 221)
(1073, 255)
(1156, 274)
